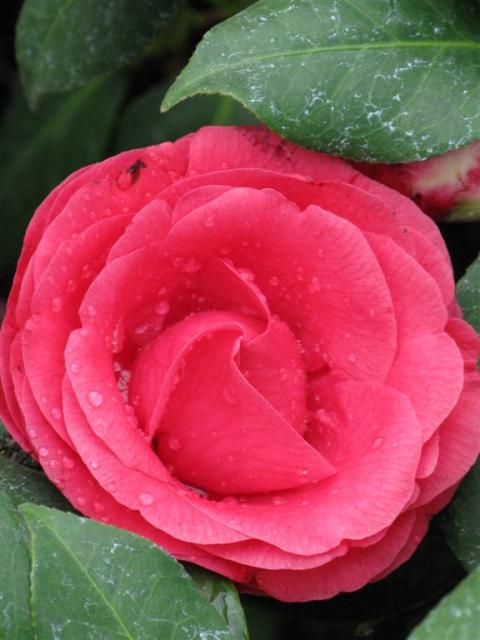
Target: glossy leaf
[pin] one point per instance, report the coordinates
(222, 594)
(15, 618)
(62, 44)
(142, 123)
(468, 294)
(94, 581)
(40, 149)
(370, 80)
(462, 518)
(457, 617)
(26, 485)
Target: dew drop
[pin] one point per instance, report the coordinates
(94, 464)
(377, 442)
(118, 337)
(111, 486)
(43, 452)
(95, 398)
(315, 285)
(81, 500)
(57, 304)
(283, 374)
(56, 413)
(230, 457)
(352, 357)
(146, 499)
(71, 286)
(278, 500)
(209, 222)
(191, 266)
(32, 433)
(274, 281)
(162, 308)
(98, 507)
(74, 368)
(174, 443)
(68, 463)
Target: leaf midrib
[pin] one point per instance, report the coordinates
(86, 573)
(361, 46)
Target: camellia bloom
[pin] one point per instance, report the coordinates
(247, 352)
(444, 186)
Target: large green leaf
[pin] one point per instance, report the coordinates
(15, 619)
(61, 44)
(39, 149)
(94, 581)
(26, 485)
(366, 79)
(457, 617)
(468, 294)
(461, 519)
(224, 597)
(142, 123)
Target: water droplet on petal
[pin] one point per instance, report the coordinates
(283, 374)
(95, 398)
(191, 266)
(377, 442)
(230, 457)
(162, 308)
(146, 499)
(32, 433)
(68, 463)
(56, 413)
(278, 500)
(315, 285)
(174, 443)
(57, 304)
(352, 358)
(81, 501)
(274, 281)
(209, 221)
(43, 452)
(94, 464)
(74, 368)
(98, 507)
(71, 286)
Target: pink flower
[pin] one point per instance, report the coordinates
(444, 186)
(247, 352)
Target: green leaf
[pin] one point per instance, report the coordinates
(15, 619)
(40, 149)
(461, 520)
(457, 617)
(468, 294)
(62, 44)
(94, 581)
(26, 485)
(365, 79)
(222, 594)
(142, 123)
